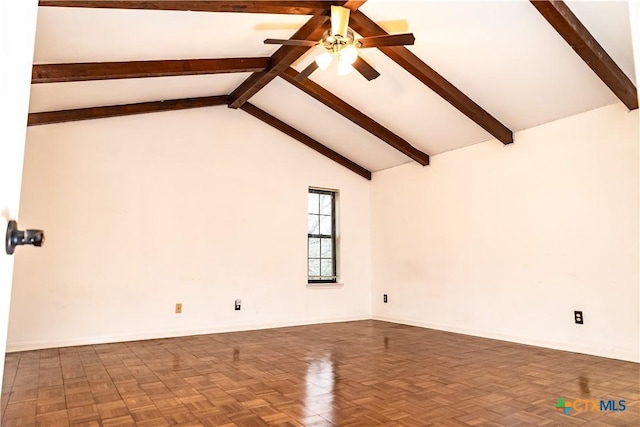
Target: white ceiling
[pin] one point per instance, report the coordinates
(503, 55)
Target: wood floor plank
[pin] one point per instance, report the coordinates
(352, 374)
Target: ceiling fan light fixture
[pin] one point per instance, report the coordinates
(339, 41)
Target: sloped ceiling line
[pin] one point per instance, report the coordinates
(558, 14)
(365, 122)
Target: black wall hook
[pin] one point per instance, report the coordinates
(17, 237)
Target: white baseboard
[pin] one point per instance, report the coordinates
(13, 347)
(610, 353)
(572, 347)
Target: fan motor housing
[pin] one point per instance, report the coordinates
(335, 42)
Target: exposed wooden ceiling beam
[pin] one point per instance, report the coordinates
(285, 56)
(365, 122)
(76, 72)
(414, 65)
(50, 117)
(558, 14)
(306, 140)
(239, 6)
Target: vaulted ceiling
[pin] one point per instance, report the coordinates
(478, 70)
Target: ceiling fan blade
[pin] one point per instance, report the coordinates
(364, 68)
(387, 40)
(291, 42)
(394, 25)
(339, 20)
(306, 72)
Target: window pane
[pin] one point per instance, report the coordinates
(326, 267)
(314, 267)
(313, 224)
(321, 252)
(314, 248)
(314, 203)
(325, 225)
(326, 248)
(325, 204)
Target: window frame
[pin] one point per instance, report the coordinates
(334, 246)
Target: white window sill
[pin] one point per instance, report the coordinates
(324, 285)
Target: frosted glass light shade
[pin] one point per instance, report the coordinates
(348, 55)
(323, 60)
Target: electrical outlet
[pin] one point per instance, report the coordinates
(238, 303)
(384, 298)
(577, 315)
(179, 308)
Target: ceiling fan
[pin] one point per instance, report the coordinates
(339, 42)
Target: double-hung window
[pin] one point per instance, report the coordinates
(321, 236)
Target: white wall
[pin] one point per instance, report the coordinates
(506, 242)
(199, 207)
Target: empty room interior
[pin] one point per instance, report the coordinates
(322, 213)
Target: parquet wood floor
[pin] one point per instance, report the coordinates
(365, 373)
